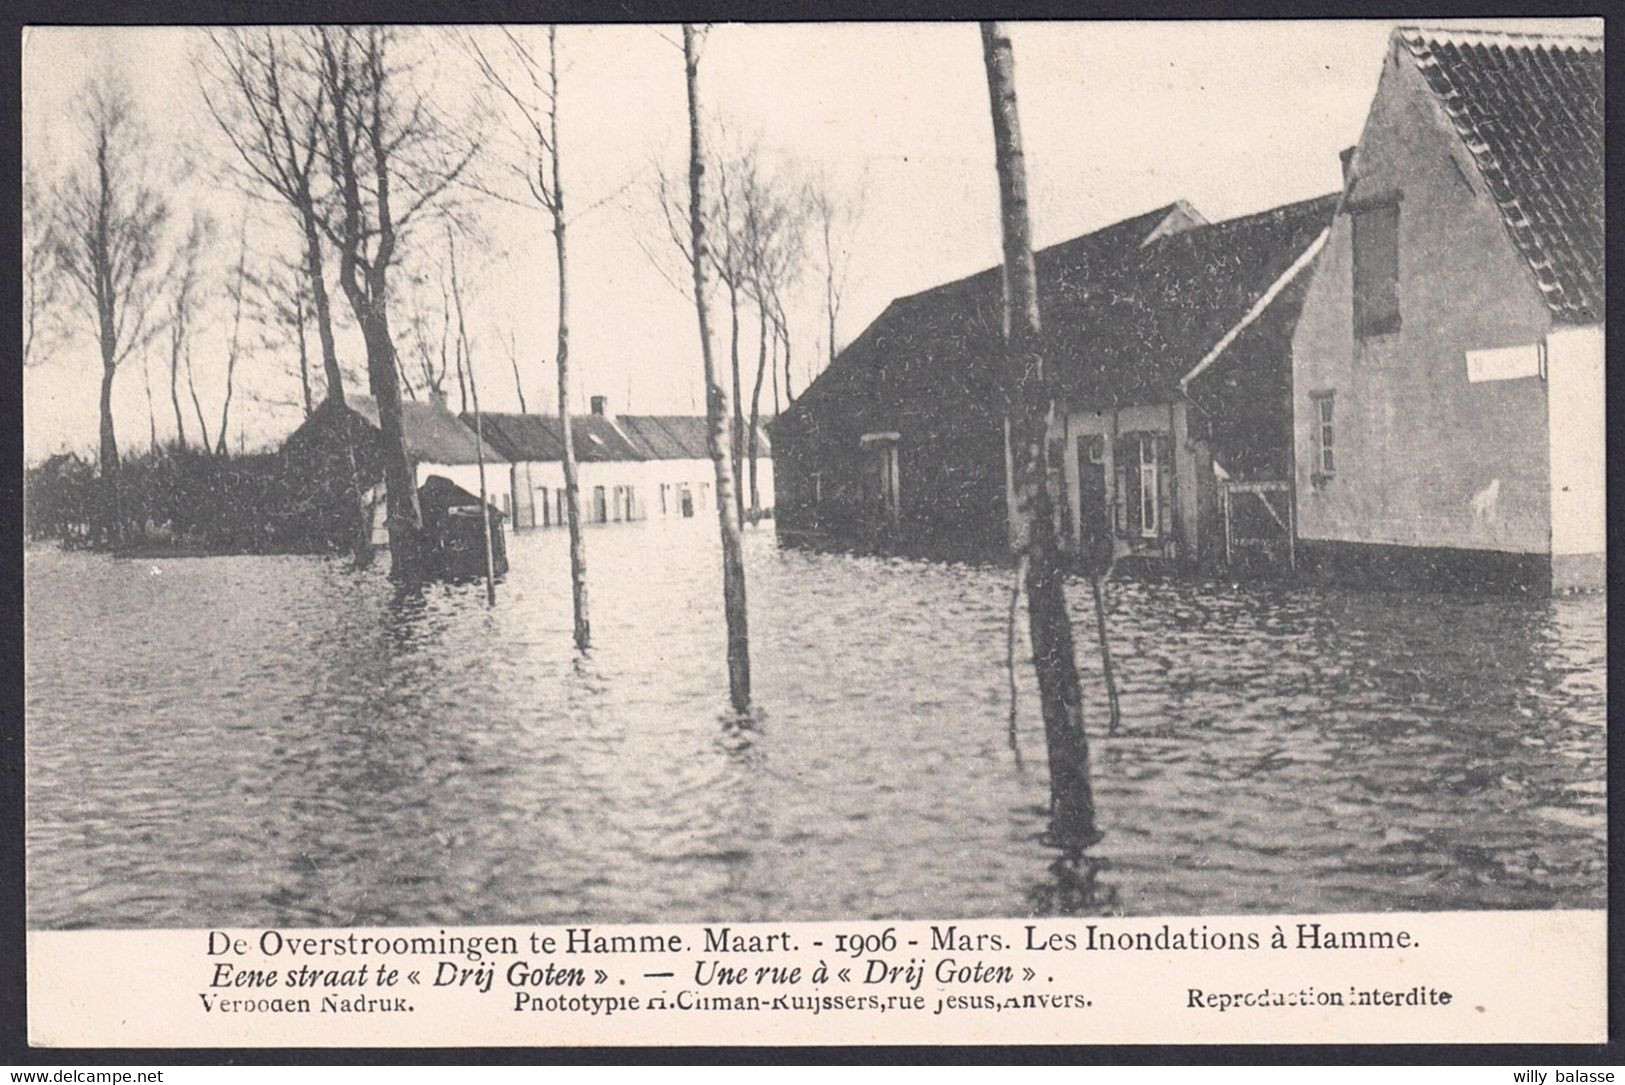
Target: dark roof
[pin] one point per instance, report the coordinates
(1128, 334)
(673, 436)
(946, 333)
(531, 438)
(1530, 110)
(438, 494)
(432, 433)
(667, 437)
(1069, 259)
(538, 437)
(1127, 311)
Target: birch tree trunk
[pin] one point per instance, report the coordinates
(1031, 407)
(304, 357)
(717, 407)
(321, 303)
(756, 408)
(177, 338)
(152, 417)
(738, 443)
(109, 523)
(572, 487)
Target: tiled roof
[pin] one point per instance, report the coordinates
(1530, 110)
(432, 433)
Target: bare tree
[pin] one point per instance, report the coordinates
(772, 241)
(152, 415)
(1031, 406)
(716, 398)
(40, 273)
(390, 155)
(434, 362)
(465, 360)
(105, 234)
(834, 218)
(197, 404)
(279, 303)
(731, 259)
(185, 277)
(236, 290)
(511, 345)
(269, 105)
(533, 97)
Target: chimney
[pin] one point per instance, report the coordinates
(600, 406)
(1347, 157)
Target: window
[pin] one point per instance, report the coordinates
(1376, 268)
(600, 507)
(1325, 463)
(665, 499)
(1095, 449)
(1150, 525)
(685, 499)
(544, 499)
(620, 503)
(705, 495)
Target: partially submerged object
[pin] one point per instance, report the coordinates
(453, 534)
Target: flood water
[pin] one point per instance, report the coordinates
(289, 741)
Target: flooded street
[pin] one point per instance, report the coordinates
(288, 741)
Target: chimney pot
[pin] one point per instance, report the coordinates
(600, 405)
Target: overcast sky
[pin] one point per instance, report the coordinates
(1117, 118)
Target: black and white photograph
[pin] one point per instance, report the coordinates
(787, 472)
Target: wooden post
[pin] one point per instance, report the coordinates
(485, 510)
(1107, 670)
(1292, 526)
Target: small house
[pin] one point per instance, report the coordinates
(1448, 386)
(335, 452)
(1156, 329)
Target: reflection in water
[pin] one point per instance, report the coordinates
(293, 741)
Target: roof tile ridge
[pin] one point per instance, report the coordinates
(1514, 218)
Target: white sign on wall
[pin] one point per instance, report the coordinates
(1503, 363)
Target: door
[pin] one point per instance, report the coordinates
(1094, 498)
(880, 482)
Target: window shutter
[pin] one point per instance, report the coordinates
(1127, 479)
(1376, 268)
(1165, 488)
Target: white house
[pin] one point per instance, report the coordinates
(629, 467)
(1448, 375)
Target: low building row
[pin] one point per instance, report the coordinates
(630, 468)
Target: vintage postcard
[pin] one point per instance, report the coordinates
(815, 533)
